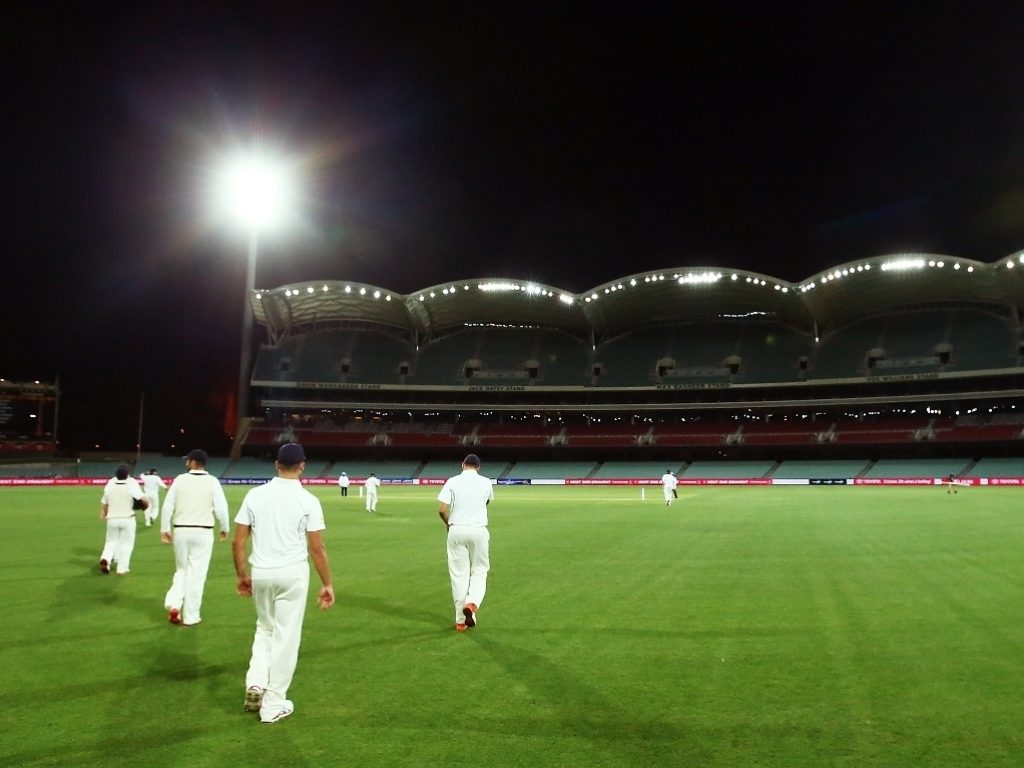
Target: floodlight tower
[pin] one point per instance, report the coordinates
(256, 191)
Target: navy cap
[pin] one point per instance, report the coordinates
(290, 454)
(198, 454)
(122, 472)
(472, 460)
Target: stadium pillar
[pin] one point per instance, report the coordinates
(245, 359)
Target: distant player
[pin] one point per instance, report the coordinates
(116, 509)
(668, 487)
(370, 485)
(343, 483)
(951, 483)
(151, 485)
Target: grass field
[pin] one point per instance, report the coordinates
(782, 626)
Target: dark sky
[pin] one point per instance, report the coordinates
(444, 141)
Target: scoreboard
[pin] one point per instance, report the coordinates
(28, 411)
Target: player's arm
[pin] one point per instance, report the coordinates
(243, 583)
(167, 513)
(138, 495)
(318, 553)
(443, 511)
(220, 509)
(103, 511)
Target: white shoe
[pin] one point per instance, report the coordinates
(285, 711)
(253, 698)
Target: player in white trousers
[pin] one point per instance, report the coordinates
(194, 502)
(152, 484)
(370, 486)
(286, 524)
(463, 509)
(116, 509)
(668, 487)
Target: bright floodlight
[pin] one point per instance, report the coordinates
(255, 191)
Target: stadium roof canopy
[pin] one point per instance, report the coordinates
(849, 292)
(306, 306)
(823, 302)
(692, 293)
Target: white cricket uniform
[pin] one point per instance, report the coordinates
(192, 505)
(120, 541)
(280, 514)
(467, 496)
(668, 484)
(152, 485)
(370, 486)
(343, 483)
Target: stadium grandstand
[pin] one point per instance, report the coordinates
(899, 356)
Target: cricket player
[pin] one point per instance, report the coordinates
(152, 484)
(668, 487)
(286, 524)
(116, 509)
(192, 505)
(370, 486)
(462, 506)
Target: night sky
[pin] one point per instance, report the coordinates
(544, 141)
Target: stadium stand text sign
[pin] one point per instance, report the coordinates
(628, 481)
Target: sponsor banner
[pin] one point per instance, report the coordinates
(725, 481)
(682, 481)
(611, 481)
(896, 480)
(41, 482)
(305, 481)
(52, 481)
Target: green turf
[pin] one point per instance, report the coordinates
(784, 626)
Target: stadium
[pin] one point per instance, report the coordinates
(762, 617)
(897, 366)
(887, 359)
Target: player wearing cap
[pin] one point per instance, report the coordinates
(286, 524)
(152, 484)
(668, 487)
(116, 508)
(192, 505)
(463, 509)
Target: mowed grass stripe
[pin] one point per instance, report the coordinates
(741, 626)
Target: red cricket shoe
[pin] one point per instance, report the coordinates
(104, 566)
(174, 616)
(460, 627)
(469, 611)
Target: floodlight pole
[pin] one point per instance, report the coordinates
(245, 362)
